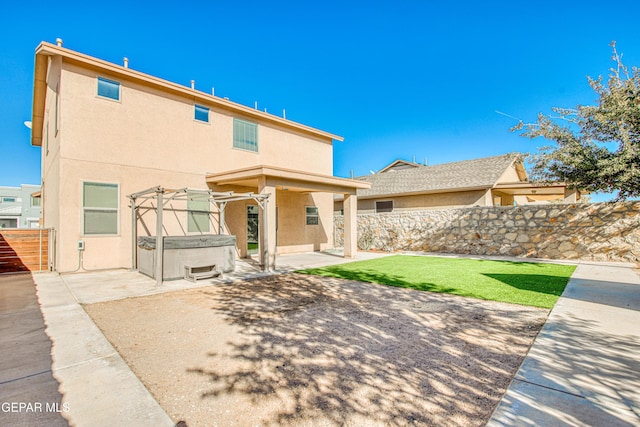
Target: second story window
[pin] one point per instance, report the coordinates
(245, 135)
(201, 113)
(108, 89)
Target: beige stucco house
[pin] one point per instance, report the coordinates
(108, 131)
(489, 181)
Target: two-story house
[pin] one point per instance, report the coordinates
(108, 131)
(20, 206)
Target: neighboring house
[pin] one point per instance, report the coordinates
(108, 131)
(20, 206)
(491, 181)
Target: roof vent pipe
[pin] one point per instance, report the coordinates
(126, 62)
(59, 41)
(193, 84)
(255, 105)
(213, 91)
(284, 113)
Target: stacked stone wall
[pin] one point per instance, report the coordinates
(599, 231)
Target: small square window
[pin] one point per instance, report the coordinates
(108, 89)
(382, 207)
(312, 215)
(201, 113)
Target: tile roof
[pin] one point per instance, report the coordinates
(477, 173)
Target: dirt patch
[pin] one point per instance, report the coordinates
(304, 350)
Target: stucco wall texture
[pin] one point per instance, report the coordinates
(598, 232)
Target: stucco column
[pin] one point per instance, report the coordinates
(350, 225)
(488, 198)
(267, 222)
(570, 195)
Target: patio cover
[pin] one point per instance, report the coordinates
(268, 179)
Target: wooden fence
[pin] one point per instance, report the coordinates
(24, 250)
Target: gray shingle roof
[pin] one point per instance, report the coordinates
(477, 173)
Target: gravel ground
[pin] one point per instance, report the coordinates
(304, 350)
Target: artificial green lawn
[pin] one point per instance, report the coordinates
(525, 283)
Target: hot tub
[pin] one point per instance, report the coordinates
(179, 251)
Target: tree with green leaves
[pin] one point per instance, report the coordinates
(597, 147)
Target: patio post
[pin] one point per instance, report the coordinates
(221, 207)
(159, 239)
(350, 225)
(134, 233)
(268, 225)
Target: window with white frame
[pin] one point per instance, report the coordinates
(245, 135)
(198, 208)
(8, 222)
(312, 215)
(108, 89)
(100, 203)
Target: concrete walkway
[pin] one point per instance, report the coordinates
(28, 390)
(584, 367)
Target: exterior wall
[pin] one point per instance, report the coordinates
(423, 201)
(293, 234)
(600, 232)
(510, 175)
(149, 128)
(24, 214)
(50, 151)
(145, 139)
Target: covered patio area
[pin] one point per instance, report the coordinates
(530, 192)
(299, 212)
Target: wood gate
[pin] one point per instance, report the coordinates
(24, 250)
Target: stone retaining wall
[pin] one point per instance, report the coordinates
(599, 231)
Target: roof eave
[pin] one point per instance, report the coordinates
(418, 193)
(39, 96)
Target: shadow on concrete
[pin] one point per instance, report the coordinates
(609, 293)
(25, 367)
(577, 373)
(337, 352)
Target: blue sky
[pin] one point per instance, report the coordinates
(395, 79)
